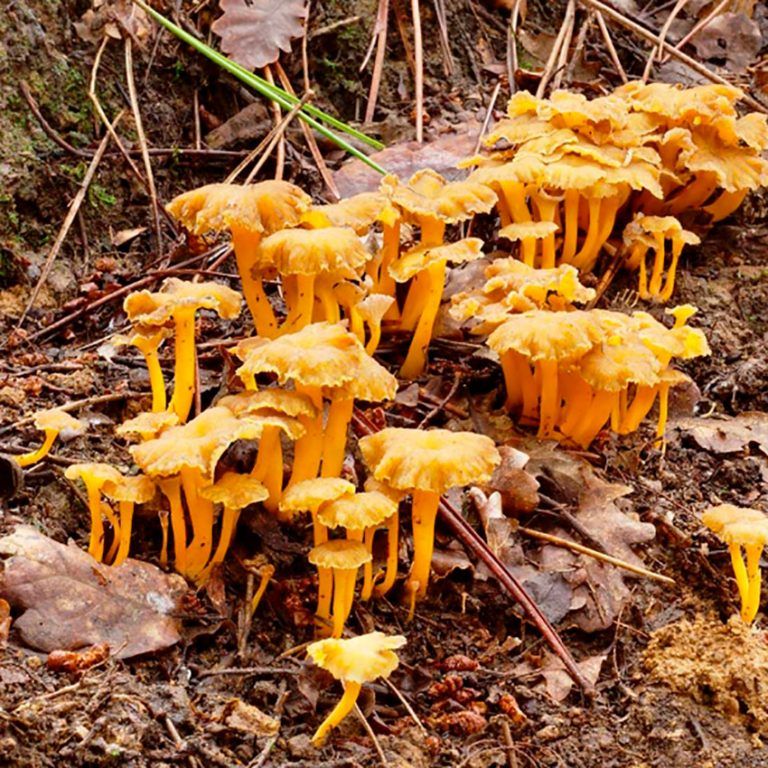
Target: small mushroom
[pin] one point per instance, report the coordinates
(353, 662)
(148, 343)
(52, 422)
(342, 558)
(127, 492)
(427, 463)
(146, 426)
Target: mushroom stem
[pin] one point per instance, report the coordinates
(694, 194)
(267, 572)
(638, 409)
(245, 244)
(390, 250)
(186, 359)
(229, 519)
(324, 291)
(340, 711)
(96, 542)
(201, 512)
(424, 514)
(593, 420)
(126, 523)
(163, 515)
(374, 327)
(654, 286)
(749, 610)
(26, 459)
(549, 408)
(335, 437)
(109, 513)
(343, 595)
(305, 302)
(414, 301)
(308, 449)
(546, 208)
(740, 573)
(390, 575)
(156, 380)
(725, 204)
(571, 234)
(663, 410)
(269, 466)
(521, 387)
(416, 359)
(367, 588)
(578, 396)
(669, 285)
(171, 489)
(432, 230)
(356, 323)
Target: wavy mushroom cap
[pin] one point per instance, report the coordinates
(429, 459)
(566, 109)
(274, 399)
(528, 229)
(310, 495)
(339, 553)
(543, 335)
(682, 342)
(142, 337)
(333, 250)
(418, 259)
(147, 425)
(157, 308)
(427, 193)
(371, 382)
(358, 511)
(319, 355)
(718, 517)
(260, 208)
(374, 306)
(371, 484)
(746, 533)
(235, 491)
(511, 275)
(97, 471)
(358, 659)
(58, 420)
(138, 489)
(612, 367)
(358, 212)
(669, 226)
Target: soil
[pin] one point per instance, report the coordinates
(679, 681)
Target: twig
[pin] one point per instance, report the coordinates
(657, 51)
(440, 404)
(408, 708)
(611, 47)
(554, 54)
(248, 671)
(582, 550)
(473, 542)
(380, 38)
(578, 48)
(562, 58)
(698, 27)
(509, 744)
(333, 26)
(269, 746)
(488, 117)
(445, 44)
(618, 257)
(697, 67)
(277, 114)
(196, 117)
(372, 736)
(512, 62)
(304, 51)
(419, 61)
(66, 225)
(142, 142)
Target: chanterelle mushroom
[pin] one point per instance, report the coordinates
(51, 422)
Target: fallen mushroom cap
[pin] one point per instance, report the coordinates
(358, 659)
(147, 425)
(310, 495)
(58, 420)
(358, 511)
(431, 460)
(339, 553)
(235, 490)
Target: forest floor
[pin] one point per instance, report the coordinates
(678, 683)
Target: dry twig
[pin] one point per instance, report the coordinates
(419, 60)
(554, 54)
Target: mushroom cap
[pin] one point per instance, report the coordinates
(674, 378)
(333, 250)
(340, 553)
(357, 512)
(57, 420)
(429, 460)
(142, 337)
(136, 488)
(235, 491)
(733, 167)
(263, 207)
(358, 659)
(527, 229)
(511, 275)
(374, 306)
(273, 399)
(147, 425)
(612, 367)
(682, 342)
(718, 517)
(358, 212)
(427, 193)
(747, 533)
(152, 309)
(98, 471)
(669, 226)
(418, 259)
(198, 444)
(371, 383)
(310, 495)
(543, 335)
(395, 494)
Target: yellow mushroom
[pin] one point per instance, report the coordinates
(127, 492)
(354, 662)
(385, 580)
(234, 492)
(148, 343)
(360, 514)
(145, 426)
(372, 310)
(342, 558)
(248, 212)
(427, 463)
(178, 302)
(52, 422)
(529, 233)
(94, 476)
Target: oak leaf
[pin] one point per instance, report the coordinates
(253, 33)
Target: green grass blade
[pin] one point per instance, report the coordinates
(272, 92)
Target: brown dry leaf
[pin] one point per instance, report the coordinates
(109, 18)
(517, 488)
(557, 683)
(729, 435)
(253, 33)
(405, 158)
(70, 601)
(732, 39)
(246, 718)
(5, 621)
(126, 235)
